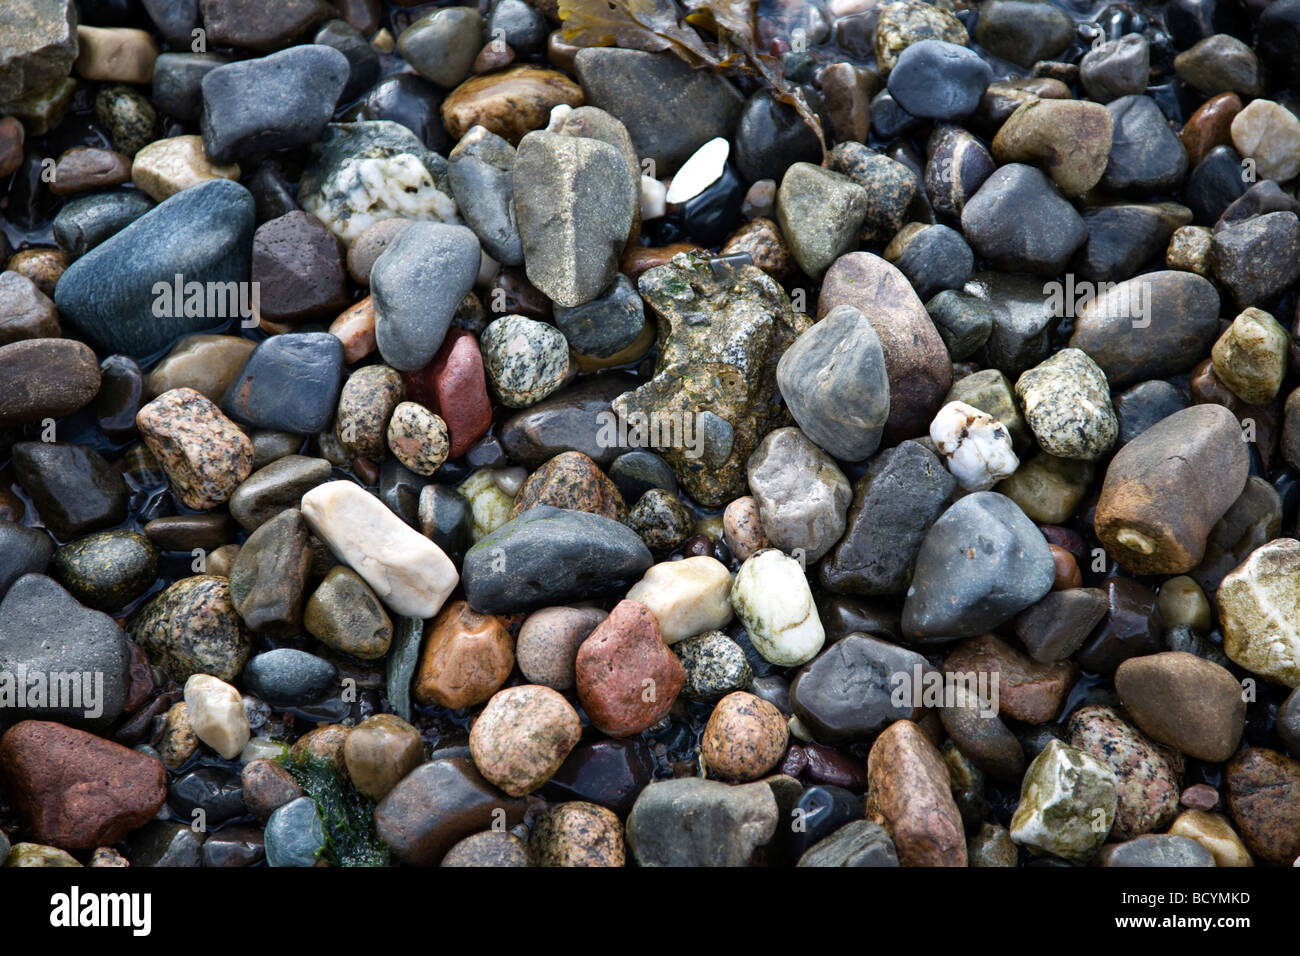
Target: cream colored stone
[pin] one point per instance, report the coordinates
(115, 54)
(168, 166)
(1259, 611)
(771, 597)
(1215, 833)
(1268, 134)
(687, 597)
(216, 713)
(490, 506)
(408, 572)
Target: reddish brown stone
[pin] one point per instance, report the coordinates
(766, 246)
(572, 480)
(909, 794)
(142, 685)
(627, 677)
(1264, 797)
(638, 259)
(1027, 690)
(42, 266)
(1200, 796)
(460, 390)
(298, 264)
(493, 56)
(1067, 569)
(267, 786)
(77, 791)
(1210, 126)
(84, 168)
(355, 328)
(467, 656)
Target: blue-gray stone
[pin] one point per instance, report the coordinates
(934, 79)
(834, 382)
(607, 324)
(935, 258)
(415, 286)
(636, 472)
(175, 19)
(294, 834)
(1146, 157)
(290, 383)
(403, 655)
(86, 221)
(23, 550)
(481, 171)
(288, 677)
(549, 556)
(981, 563)
(363, 61)
(178, 83)
(45, 632)
(203, 234)
(274, 102)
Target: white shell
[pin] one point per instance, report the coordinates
(701, 171)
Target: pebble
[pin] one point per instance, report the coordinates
(1209, 126)
(743, 528)
(1198, 457)
(274, 487)
(1067, 804)
(271, 103)
(802, 495)
(107, 570)
(1215, 834)
(979, 735)
(108, 295)
(74, 489)
(908, 794)
(1251, 356)
(1019, 222)
(908, 22)
(81, 169)
(935, 79)
(49, 377)
(981, 563)
(1220, 63)
(547, 556)
(268, 578)
(459, 390)
(1054, 628)
(467, 656)
(35, 854)
(167, 166)
(687, 597)
(525, 360)
(745, 737)
(204, 455)
(670, 110)
(418, 438)
(975, 446)
(916, 361)
(379, 752)
(696, 822)
(820, 213)
(441, 45)
(992, 847)
(26, 312)
(492, 848)
(1023, 31)
(715, 666)
(1268, 133)
(770, 137)
(627, 679)
(299, 267)
(366, 403)
(771, 597)
(1162, 850)
(1145, 157)
(344, 613)
(1029, 691)
(215, 713)
(1115, 68)
(1257, 633)
(1070, 139)
(408, 572)
(578, 834)
(891, 187)
(1066, 402)
(44, 630)
(87, 221)
(295, 834)
(1257, 259)
(290, 383)
(266, 786)
(480, 170)
(522, 736)
(548, 644)
(847, 694)
(571, 250)
(608, 324)
(1146, 776)
(25, 550)
(1264, 800)
(661, 520)
(206, 363)
(75, 790)
(510, 102)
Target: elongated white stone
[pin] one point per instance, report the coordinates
(408, 571)
(687, 597)
(772, 599)
(701, 171)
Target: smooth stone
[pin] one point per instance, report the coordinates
(770, 137)
(936, 79)
(522, 736)
(694, 822)
(178, 82)
(1251, 356)
(23, 551)
(274, 487)
(107, 570)
(48, 378)
(1067, 804)
(1146, 156)
(687, 597)
(26, 312)
(1163, 850)
(771, 596)
(715, 666)
(548, 644)
(847, 694)
(241, 23)
(74, 489)
(480, 170)
(1268, 134)
(981, 563)
(1164, 491)
(1023, 31)
(363, 60)
(192, 628)
(509, 102)
(442, 44)
(547, 556)
(268, 578)
(295, 834)
(168, 166)
(1071, 139)
(408, 572)
(1019, 222)
(607, 324)
(1148, 327)
(1054, 628)
(416, 285)
(571, 419)
(802, 495)
(81, 169)
(1115, 68)
(343, 613)
(1123, 237)
(206, 363)
(1182, 700)
(272, 103)
(909, 794)
(108, 295)
(87, 221)
(820, 213)
(288, 677)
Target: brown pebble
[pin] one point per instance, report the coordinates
(1199, 796)
(1068, 574)
(744, 738)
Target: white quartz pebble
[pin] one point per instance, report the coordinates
(772, 599)
(976, 446)
(216, 713)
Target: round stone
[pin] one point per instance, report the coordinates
(744, 738)
(525, 360)
(522, 736)
(418, 438)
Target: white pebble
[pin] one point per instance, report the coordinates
(558, 115)
(976, 446)
(654, 198)
(772, 599)
(687, 597)
(216, 713)
(701, 171)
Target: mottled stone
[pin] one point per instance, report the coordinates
(908, 794)
(204, 455)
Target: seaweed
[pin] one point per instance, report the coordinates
(348, 817)
(654, 26)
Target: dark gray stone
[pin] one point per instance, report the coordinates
(23, 550)
(1146, 156)
(845, 694)
(86, 221)
(607, 324)
(1057, 626)
(860, 843)
(934, 79)
(74, 489)
(286, 677)
(1021, 223)
(696, 822)
(1259, 258)
(178, 82)
(481, 171)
